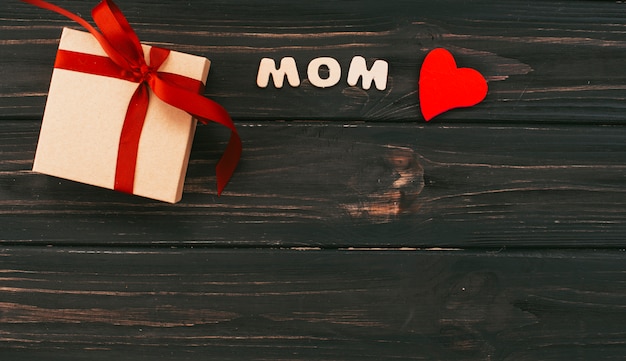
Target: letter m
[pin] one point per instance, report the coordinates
(378, 73)
(287, 68)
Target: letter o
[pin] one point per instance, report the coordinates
(334, 72)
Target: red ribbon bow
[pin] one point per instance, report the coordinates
(126, 61)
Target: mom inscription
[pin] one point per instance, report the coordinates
(323, 72)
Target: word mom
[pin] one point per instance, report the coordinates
(288, 69)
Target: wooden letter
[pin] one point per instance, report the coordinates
(378, 73)
(287, 68)
(334, 72)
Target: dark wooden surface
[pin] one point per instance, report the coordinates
(329, 185)
(352, 230)
(546, 61)
(103, 303)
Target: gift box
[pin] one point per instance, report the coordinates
(85, 114)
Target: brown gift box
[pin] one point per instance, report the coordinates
(83, 120)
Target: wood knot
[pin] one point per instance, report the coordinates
(398, 185)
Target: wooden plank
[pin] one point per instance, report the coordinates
(545, 60)
(335, 185)
(188, 304)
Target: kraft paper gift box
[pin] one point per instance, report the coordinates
(83, 118)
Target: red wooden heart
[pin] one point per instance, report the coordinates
(443, 86)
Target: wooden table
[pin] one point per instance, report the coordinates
(352, 230)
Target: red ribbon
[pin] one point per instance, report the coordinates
(126, 61)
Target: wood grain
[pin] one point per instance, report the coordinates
(357, 184)
(546, 61)
(352, 230)
(187, 304)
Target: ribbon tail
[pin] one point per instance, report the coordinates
(59, 10)
(111, 51)
(227, 164)
(116, 29)
(205, 110)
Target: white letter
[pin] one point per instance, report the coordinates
(334, 72)
(287, 68)
(378, 73)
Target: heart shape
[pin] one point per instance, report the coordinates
(443, 86)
